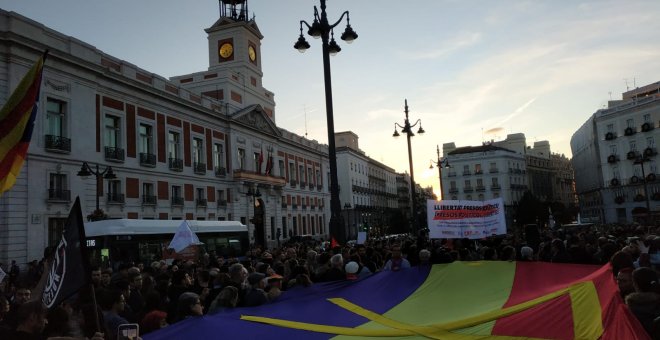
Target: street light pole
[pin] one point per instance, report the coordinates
(252, 193)
(407, 128)
(107, 173)
(641, 160)
(321, 28)
(440, 163)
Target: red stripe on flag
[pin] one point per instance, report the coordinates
(19, 150)
(23, 108)
(553, 319)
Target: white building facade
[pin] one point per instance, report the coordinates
(190, 147)
(368, 187)
(615, 159)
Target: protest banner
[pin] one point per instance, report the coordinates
(465, 219)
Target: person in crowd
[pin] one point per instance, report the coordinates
(4, 310)
(558, 251)
(526, 254)
(14, 272)
(106, 277)
(181, 283)
(336, 270)
(255, 295)
(397, 261)
(188, 305)
(645, 301)
(424, 258)
(153, 321)
(621, 260)
(351, 269)
(238, 275)
(96, 277)
(30, 321)
(22, 295)
(135, 299)
(624, 281)
(226, 299)
(113, 303)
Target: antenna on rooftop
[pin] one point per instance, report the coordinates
(626, 80)
(305, 110)
(610, 94)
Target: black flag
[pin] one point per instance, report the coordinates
(69, 270)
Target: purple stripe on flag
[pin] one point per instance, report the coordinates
(379, 293)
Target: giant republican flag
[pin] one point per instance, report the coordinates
(461, 300)
(16, 123)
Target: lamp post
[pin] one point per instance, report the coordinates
(440, 163)
(347, 207)
(255, 194)
(407, 128)
(107, 173)
(321, 28)
(641, 160)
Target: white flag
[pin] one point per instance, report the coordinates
(2, 275)
(183, 238)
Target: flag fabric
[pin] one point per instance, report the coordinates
(69, 270)
(333, 243)
(183, 238)
(16, 124)
(261, 159)
(269, 163)
(2, 275)
(459, 300)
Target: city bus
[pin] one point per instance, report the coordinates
(134, 240)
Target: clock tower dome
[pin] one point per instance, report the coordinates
(234, 75)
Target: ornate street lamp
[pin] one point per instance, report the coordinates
(440, 163)
(407, 128)
(321, 28)
(254, 194)
(107, 173)
(641, 160)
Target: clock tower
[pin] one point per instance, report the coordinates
(234, 74)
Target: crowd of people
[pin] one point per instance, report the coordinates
(160, 293)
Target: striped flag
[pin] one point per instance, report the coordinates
(16, 124)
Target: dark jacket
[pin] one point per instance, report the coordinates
(646, 307)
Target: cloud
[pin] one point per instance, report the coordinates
(461, 41)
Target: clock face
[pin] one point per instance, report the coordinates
(226, 50)
(252, 53)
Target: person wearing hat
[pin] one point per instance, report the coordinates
(255, 296)
(351, 269)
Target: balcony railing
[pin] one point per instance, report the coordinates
(114, 197)
(467, 173)
(646, 127)
(650, 152)
(495, 187)
(199, 168)
(612, 159)
(294, 206)
(478, 172)
(114, 154)
(481, 188)
(147, 159)
(58, 143)
(303, 184)
(631, 155)
(59, 195)
(319, 187)
(630, 131)
(201, 202)
(178, 201)
(222, 203)
(176, 164)
(453, 190)
(451, 174)
(220, 171)
(311, 186)
(610, 136)
(304, 207)
(468, 189)
(493, 170)
(148, 199)
(284, 205)
(293, 183)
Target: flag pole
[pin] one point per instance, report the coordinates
(96, 308)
